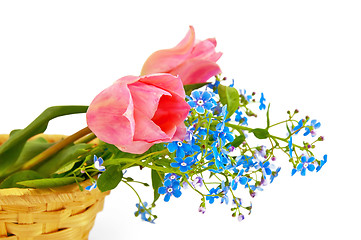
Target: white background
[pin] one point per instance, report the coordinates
(301, 54)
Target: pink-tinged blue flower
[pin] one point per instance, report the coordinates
(183, 164)
(197, 182)
(322, 163)
(189, 135)
(202, 101)
(143, 212)
(170, 188)
(213, 194)
(98, 162)
(260, 153)
(311, 128)
(275, 174)
(239, 179)
(306, 163)
(224, 192)
(179, 147)
(253, 189)
(239, 118)
(262, 106)
(240, 217)
(201, 209)
(290, 146)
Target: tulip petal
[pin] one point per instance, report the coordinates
(180, 132)
(110, 115)
(196, 71)
(136, 147)
(146, 98)
(163, 61)
(170, 83)
(148, 131)
(171, 112)
(128, 79)
(206, 50)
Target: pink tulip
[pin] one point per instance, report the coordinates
(137, 112)
(193, 60)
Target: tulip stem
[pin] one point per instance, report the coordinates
(86, 139)
(55, 148)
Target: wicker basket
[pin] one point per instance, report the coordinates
(51, 214)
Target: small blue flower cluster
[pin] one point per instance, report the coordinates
(171, 187)
(217, 142)
(306, 161)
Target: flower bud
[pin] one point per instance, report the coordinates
(240, 217)
(201, 210)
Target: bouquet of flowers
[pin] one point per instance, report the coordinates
(180, 118)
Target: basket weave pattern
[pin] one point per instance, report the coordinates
(49, 214)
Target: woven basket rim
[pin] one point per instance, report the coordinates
(74, 187)
(27, 196)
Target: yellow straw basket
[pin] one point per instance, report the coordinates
(52, 214)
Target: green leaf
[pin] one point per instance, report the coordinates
(260, 133)
(11, 149)
(31, 149)
(238, 140)
(288, 130)
(229, 96)
(118, 161)
(62, 157)
(157, 182)
(11, 181)
(110, 178)
(188, 88)
(50, 182)
(66, 167)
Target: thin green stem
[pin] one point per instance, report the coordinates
(288, 120)
(238, 127)
(193, 187)
(140, 200)
(55, 148)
